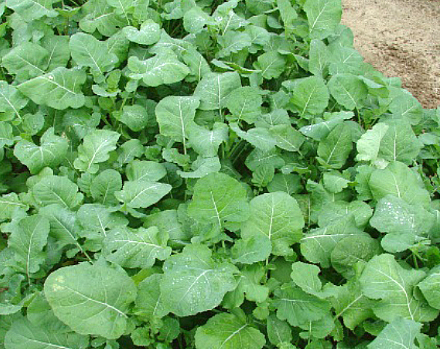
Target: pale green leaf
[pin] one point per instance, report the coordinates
(142, 193)
(399, 334)
(148, 34)
(323, 17)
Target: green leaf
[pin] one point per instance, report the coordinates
(142, 193)
(323, 17)
(202, 167)
(11, 100)
(95, 149)
(136, 248)
(278, 331)
(278, 217)
(233, 42)
(398, 180)
(429, 287)
(218, 198)
(24, 333)
(254, 249)
(58, 47)
(31, 10)
(100, 16)
(164, 68)
(298, 307)
(9, 203)
(385, 279)
(348, 90)
(318, 58)
(175, 115)
(148, 34)
(398, 334)
(368, 145)
(259, 137)
(149, 302)
(50, 153)
(145, 170)
(289, 183)
(310, 96)
(306, 277)
(90, 52)
(91, 299)
(272, 64)
(244, 103)
(26, 61)
(287, 137)
(104, 186)
(214, 89)
(193, 282)
(57, 190)
(235, 332)
(135, 117)
(59, 89)
(334, 149)
(27, 240)
(207, 142)
(405, 224)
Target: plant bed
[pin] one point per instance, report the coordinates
(210, 175)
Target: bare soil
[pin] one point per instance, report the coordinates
(400, 38)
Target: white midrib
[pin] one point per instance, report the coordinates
(317, 17)
(95, 301)
(144, 190)
(12, 106)
(232, 335)
(48, 345)
(216, 210)
(348, 306)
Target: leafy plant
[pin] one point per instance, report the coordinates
(210, 174)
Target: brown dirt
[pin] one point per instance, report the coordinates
(400, 38)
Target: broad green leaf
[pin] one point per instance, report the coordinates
(58, 47)
(91, 299)
(148, 34)
(318, 244)
(9, 203)
(95, 149)
(59, 89)
(334, 149)
(50, 153)
(202, 167)
(27, 240)
(399, 143)
(26, 61)
(135, 248)
(429, 287)
(244, 103)
(23, 333)
(254, 249)
(135, 117)
(195, 19)
(405, 224)
(399, 180)
(277, 216)
(233, 42)
(399, 334)
(318, 58)
(145, 170)
(57, 190)
(361, 249)
(236, 333)
(175, 115)
(129, 151)
(259, 137)
(348, 90)
(288, 15)
(406, 106)
(258, 158)
(323, 17)
(63, 224)
(287, 137)
(149, 301)
(90, 52)
(207, 142)
(218, 198)
(278, 331)
(102, 17)
(272, 64)
(351, 304)
(385, 279)
(214, 89)
(11, 100)
(104, 186)
(31, 10)
(122, 7)
(334, 211)
(164, 68)
(310, 96)
(142, 193)
(369, 144)
(298, 307)
(289, 183)
(193, 282)
(305, 276)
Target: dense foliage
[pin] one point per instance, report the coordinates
(211, 175)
